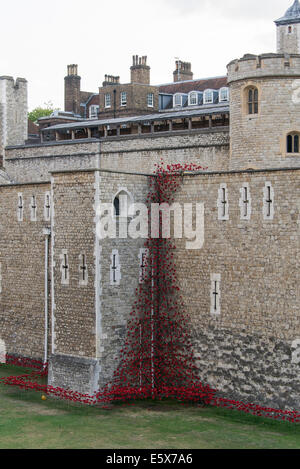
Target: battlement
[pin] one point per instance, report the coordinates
(264, 65)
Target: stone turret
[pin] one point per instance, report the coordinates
(13, 113)
(288, 30)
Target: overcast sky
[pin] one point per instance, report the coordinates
(38, 38)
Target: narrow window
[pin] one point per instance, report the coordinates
(117, 206)
(123, 99)
(47, 207)
(268, 206)
(290, 29)
(215, 294)
(115, 269)
(292, 143)
(20, 207)
(107, 100)
(253, 101)
(33, 208)
(64, 268)
(223, 205)
(245, 202)
(83, 270)
(143, 256)
(150, 99)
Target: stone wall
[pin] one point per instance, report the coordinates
(22, 277)
(245, 351)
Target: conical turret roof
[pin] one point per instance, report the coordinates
(292, 15)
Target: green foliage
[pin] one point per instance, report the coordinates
(40, 111)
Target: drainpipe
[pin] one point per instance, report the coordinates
(47, 234)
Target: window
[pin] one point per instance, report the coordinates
(290, 29)
(193, 99)
(245, 202)
(143, 257)
(94, 111)
(223, 205)
(83, 271)
(33, 208)
(177, 101)
(115, 269)
(150, 100)
(208, 97)
(268, 207)
(123, 99)
(223, 95)
(122, 203)
(64, 268)
(47, 207)
(20, 207)
(292, 143)
(215, 294)
(107, 100)
(252, 101)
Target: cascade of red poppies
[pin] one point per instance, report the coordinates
(157, 359)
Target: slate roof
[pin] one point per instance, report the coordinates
(292, 15)
(194, 85)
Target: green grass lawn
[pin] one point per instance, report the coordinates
(28, 422)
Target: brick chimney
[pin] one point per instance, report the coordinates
(111, 80)
(72, 90)
(140, 71)
(183, 71)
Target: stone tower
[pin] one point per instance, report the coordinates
(13, 113)
(140, 71)
(288, 31)
(265, 102)
(72, 90)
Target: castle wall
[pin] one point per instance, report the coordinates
(22, 271)
(246, 352)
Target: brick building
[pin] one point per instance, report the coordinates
(66, 295)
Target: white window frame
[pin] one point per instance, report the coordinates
(268, 209)
(227, 94)
(115, 269)
(33, 208)
(93, 111)
(47, 211)
(223, 214)
(65, 273)
(191, 94)
(107, 100)
(243, 189)
(176, 96)
(82, 262)
(207, 101)
(215, 301)
(123, 98)
(150, 99)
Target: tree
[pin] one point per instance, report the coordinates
(40, 111)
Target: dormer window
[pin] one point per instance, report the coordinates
(177, 100)
(193, 98)
(208, 97)
(223, 95)
(94, 111)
